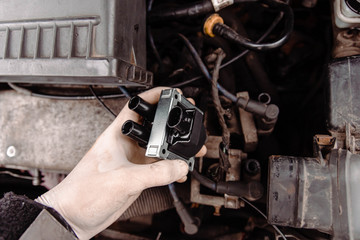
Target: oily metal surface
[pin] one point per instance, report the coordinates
(49, 134)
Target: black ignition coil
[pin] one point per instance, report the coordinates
(172, 129)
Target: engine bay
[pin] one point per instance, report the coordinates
(276, 90)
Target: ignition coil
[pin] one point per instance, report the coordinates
(172, 129)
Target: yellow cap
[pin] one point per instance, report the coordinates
(210, 23)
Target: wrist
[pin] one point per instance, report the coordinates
(44, 200)
(48, 199)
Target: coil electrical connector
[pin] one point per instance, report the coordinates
(172, 129)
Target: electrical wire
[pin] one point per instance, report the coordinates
(224, 160)
(151, 38)
(85, 97)
(262, 214)
(101, 102)
(186, 11)
(153, 47)
(240, 55)
(61, 97)
(212, 185)
(203, 68)
(227, 32)
(125, 92)
(265, 35)
(173, 193)
(194, 9)
(150, 3)
(17, 175)
(268, 112)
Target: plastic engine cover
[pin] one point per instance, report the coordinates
(74, 42)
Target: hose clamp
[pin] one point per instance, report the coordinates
(220, 4)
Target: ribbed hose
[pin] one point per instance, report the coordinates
(152, 200)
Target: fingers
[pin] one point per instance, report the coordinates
(161, 173)
(182, 180)
(202, 152)
(191, 100)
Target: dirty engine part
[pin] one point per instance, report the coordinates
(315, 193)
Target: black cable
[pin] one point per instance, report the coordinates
(61, 97)
(101, 102)
(204, 180)
(151, 38)
(228, 33)
(240, 55)
(150, 3)
(213, 186)
(203, 68)
(265, 35)
(267, 112)
(196, 57)
(152, 45)
(262, 214)
(251, 190)
(186, 82)
(187, 11)
(125, 92)
(85, 97)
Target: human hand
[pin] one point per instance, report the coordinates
(110, 177)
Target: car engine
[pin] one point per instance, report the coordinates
(277, 106)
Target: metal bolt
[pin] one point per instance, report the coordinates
(36, 180)
(11, 151)
(217, 210)
(230, 204)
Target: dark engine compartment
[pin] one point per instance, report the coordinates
(59, 62)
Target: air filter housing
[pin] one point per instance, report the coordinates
(74, 42)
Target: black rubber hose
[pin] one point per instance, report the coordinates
(228, 33)
(243, 53)
(189, 10)
(204, 180)
(251, 190)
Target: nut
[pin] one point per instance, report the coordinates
(11, 151)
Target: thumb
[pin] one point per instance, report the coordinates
(162, 172)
